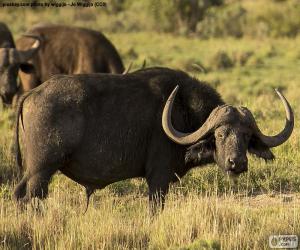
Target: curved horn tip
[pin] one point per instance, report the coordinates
(276, 140)
(38, 39)
(174, 92)
(199, 67)
(282, 97)
(126, 71)
(278, 92)
(25, 55)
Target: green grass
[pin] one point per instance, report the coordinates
(206, 210)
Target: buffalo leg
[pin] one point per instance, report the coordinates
(158, 183)
(157, 198)
(35, 185)
(20, 190)
(38, 184)
(158, 174)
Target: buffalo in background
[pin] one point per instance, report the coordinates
(47, 49)
(10, 59)
(98, 129)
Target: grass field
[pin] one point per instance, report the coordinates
(206, 210)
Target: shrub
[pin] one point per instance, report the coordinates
(265, 18)
(221, 60)
(179, 16)
(241, 58)
(280, 18)
(223, 21)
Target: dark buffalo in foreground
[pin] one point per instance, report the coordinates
(46, 50)
(99, 128)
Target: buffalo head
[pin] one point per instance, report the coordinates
(226, 136)
(11, 60)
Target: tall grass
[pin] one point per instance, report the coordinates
(193, 221)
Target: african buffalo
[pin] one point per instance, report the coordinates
(49, 49)
(8, 68)
(99, 128)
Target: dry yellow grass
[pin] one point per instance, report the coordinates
(192, 221)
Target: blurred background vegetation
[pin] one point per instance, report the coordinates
(201, 18)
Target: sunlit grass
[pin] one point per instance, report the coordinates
(189, 221)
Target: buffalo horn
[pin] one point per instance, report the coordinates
(126, 71)
(276, 140)
(24, 56)
(186, 138)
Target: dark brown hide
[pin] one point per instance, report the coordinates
(8, 72)
(100, 128)
(67, 50)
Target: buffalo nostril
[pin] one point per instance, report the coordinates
(231, 163)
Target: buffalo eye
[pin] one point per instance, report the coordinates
(220, 135)
(27, 68)
(247, 137)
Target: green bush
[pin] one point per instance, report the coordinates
(204, 18)
(265, 18)
(179, 16)
(279, 19)
(221, 60)
(223, 21)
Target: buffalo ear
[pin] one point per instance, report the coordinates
(27, 68)
(259, 149)
(202, 150)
